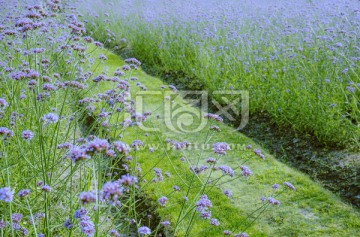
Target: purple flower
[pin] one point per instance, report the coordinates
(276, 186)
(165, 223)
(87, 226)
(6, 195)
(211, 161)
(3, 103)
(46, 188)
(78, 153)
(144, 231)
(128, 180)
(114, 233)
(80, 213)
(27, 135)
(213, 117)
(68, 224)
(97, 145)
(273, 201)
(50, 118)
(176, 188)
(226, 170)
(163, 201)
(245, 171)
(23, 193)
(112, 191)
(87, 197)
(121, 147)
(241, 235)
(214, 222)
(258, 153)
(203, 203)
(220, 148)
(16, 217)
(290, 186)
(6, 133)
(228, 193)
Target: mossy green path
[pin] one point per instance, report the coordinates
(309, 211)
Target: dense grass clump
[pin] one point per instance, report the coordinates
(298, 60)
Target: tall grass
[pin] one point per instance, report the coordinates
(299, 60)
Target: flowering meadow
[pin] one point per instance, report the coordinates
(299, 59)
(78, 158)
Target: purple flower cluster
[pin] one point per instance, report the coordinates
(6, 194)
(220, 148)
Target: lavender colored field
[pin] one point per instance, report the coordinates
(298, 59)
(75, 159)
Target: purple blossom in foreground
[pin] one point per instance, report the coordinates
(6, 195)
(163, 201)
(27, 135)
(87, 226)
(144, 230)
(220, 148)
(290, 186)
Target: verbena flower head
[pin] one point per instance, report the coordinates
(214, 222)
(220, 148)
(163, 201)
(213, 117)
(227, 170)
(78, 153)
(290, 186)
(6, 195)
(273, 201)
(144, 230)
(23, 193)
(87, 197)
(121, 147)
(111, 191)
(203, 203)
(3, 103)
(50, 118)
(27, 135)
(245, 171)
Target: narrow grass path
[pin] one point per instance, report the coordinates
(308, 211)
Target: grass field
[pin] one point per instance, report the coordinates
(91, 145)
